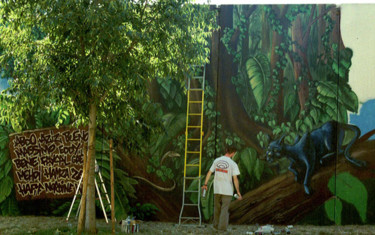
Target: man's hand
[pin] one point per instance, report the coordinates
(204, 187)
(239, 197)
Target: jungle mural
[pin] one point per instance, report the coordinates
(277, 75)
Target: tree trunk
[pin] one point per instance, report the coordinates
(233, 114)
(277, 39)
(297, 36)
(90, 222)
(336, 34)
(321, 29)
(283, 201)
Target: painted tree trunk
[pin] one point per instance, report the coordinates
(297, 36)
(234, 116)
(283, 201)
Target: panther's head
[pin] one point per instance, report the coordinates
(274, 149)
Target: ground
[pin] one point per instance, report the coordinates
(58, 225)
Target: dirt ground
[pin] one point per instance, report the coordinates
(58, 225)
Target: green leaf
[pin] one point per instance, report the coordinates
(248, 159)
(351, 190)
(4, 156)
(208, 201)
(3, 139)
(6, 185)
(9, 207)
(259, 168)
(259, 72)
(333, 208)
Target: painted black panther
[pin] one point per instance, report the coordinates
(313, 148)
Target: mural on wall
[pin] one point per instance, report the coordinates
(279, 74)
(47, 163)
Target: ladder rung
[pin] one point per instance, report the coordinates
(191, 191)
(193, 152)
(192, 164)
(190, 204)
(195, 102)
(190, 218)
(194, 139)
(194, 126)
(196, 89)
(192, 178)
(195, 114)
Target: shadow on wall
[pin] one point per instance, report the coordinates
(365, 117)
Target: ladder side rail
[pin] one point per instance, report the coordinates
(103, 187)
(101, 201)
(200, 160)
(186, 141)
(74, 198)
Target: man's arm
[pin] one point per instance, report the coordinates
(237, 186)
(207, 179)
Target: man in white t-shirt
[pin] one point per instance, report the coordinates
(225, 169)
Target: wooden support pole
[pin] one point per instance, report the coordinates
(112, 186)
(86, 168)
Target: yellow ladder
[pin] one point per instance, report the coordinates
(193, 157)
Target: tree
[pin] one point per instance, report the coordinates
(94, 58)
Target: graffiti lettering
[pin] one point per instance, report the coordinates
(22, 140)
(47, 163)
(73, 149)
(77, 135)
(24, 162)
(50, 138)
(78, 159)
(55, 159)
(76, 174)
(29, 175)
(56, 173)
(32, 189)
(34, 150)
(59, 187)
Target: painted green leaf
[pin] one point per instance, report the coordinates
(308, 122)
(6, 185)
(258, 71)
(333, 208)
(3, 139)
(3, 157)
(348, 98)
(207, 202)
(351, 190)
(248, 158)
(314, 114)
(259, 168)
(328, 89)
(9, 207)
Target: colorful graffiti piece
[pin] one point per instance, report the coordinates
(47, 163)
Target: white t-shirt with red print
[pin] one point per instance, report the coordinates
(225, 168)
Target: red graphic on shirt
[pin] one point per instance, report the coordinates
(222, 166)
(221, 170)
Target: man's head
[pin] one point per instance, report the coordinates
(230, 151)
